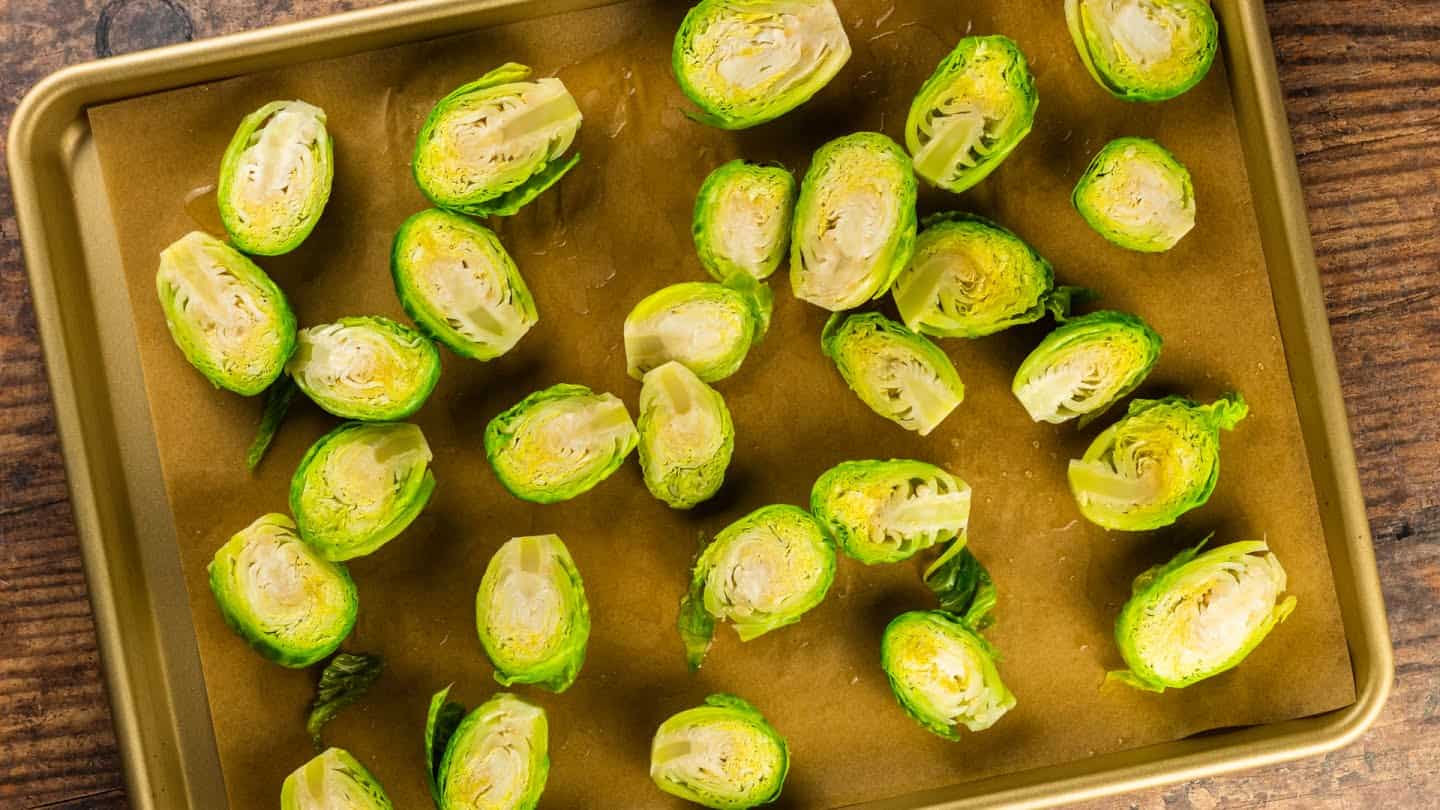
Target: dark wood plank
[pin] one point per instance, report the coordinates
(1362, 88)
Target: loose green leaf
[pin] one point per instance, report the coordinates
(277, 404)
(344, 680)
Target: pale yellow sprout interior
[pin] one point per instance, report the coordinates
(902, 385)
(1141, 35)
(364, 478)
(897, 514)
(357, 362)
(1083, 378)
(328, 782)
(1140, 464)
(966, 118)
(227, 316)
(951, 278)
(690, 431)
(719, 756)
(762, 572)
(496, 138)
(749, 223)
(525, 610)
(282, 591)
(279, 170)
(856, 214)
(758, 52)
(498, 760)
(1142, 195)
(465, 281)
(698, 332)
(560, 438)
(944, 675)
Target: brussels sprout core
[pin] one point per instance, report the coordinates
(495, 144)
(705, 326)
(742, 219)
(456, 281)
(686, 436)
(943, 673)
(291, 604)
(854, 223)
(275, 177)
(333, 779)
(496, 758)
(971, 113)
(368, 368)
(1137, 195)
(722, 755)
(1144, 50)
(1085, 366)
(886, 511)
(899, 374)
(559, 442)
(1198, 616)
(745, 62)
(532, 615)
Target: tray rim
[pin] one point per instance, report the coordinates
(56, 102)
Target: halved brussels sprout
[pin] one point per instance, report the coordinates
(1198, 616)
(559, 442)
(291, 604)
(333, 779)
(1084, 366)
(745, 62)
(228, 318)
(1137, 195)
(275, 177)
(495, 144)
(762, 572)
(706, 326)
(531, 613)
(686, 436)
(359, 486)
(1144, 50)
(971, 113)
(901, 375)
(1158, 462)
(854, 222)
(366, 367)
(970, 277)
(742, 219)
(722, 755)
(494, 758)
(458, 284)
(943, 673)
(886, 511)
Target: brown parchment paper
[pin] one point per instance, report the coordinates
(616, 229)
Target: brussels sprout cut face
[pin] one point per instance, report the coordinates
(334, 779)
(1137, 195)
(707, 327)
(854, 223)
(686, 436)
(899, 374)
(275, 177)
(369, 368)
(762, 572)
(971, 113)
(359, 486)
(1198, 616)
(1085, 366)
(970, 278)
(456, 281)
(745, 62)
(231, 321)
(1155, 464)
(496, 758)
(290, 603)
(943, 673)
(493, 145)
(559, 442)
(532, 615)
(742, 219)
(886, 511)
(1144, 50)
(721, 755)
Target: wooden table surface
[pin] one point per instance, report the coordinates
(1362, 89)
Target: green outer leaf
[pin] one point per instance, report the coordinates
(1007, 282)
(695, 624)
(315, 500)
(1127, 341)
(527, 719)
(677, 469)
(276, 337)
(292, 642)
(979, 651)
(277, 404)
(860, 165)
(963, 586)
(1179, 441)
(737, 109)
(408, 394)
(952, 86)
(557, 670)
(441, 721)
(1187, 573)
(507, 432)
(344, 680)
(724, 708)
(274, 244)
(430, 314)
(296, 791)
(745, 301)
(868, 348)
(770, 191)
(1137, 81)
(1113, 163)
(851, 497)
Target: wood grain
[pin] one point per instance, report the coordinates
(1362, 89)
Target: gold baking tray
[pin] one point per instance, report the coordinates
(147, 640)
